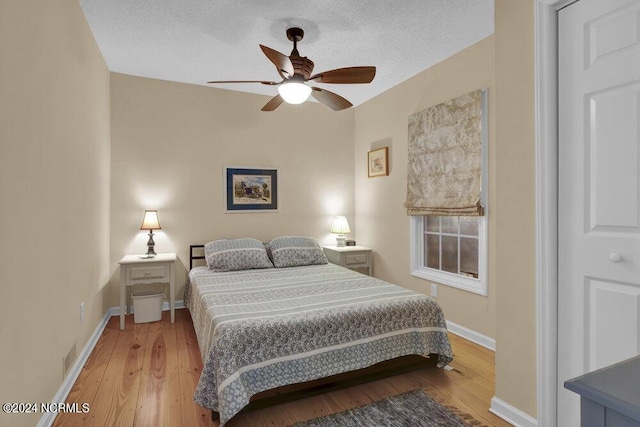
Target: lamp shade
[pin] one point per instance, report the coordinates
(340, 225)
(150, 220)
(294, 92)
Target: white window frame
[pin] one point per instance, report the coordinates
(418, 269)
(470, 284)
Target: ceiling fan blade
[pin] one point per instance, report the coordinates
(245, 81)
(273, 103)
(282, 62)
(330, 99)
(349, 75)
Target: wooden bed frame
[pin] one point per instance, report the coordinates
(303, 390)
(288, 393)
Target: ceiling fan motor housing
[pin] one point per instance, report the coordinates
(302, 66)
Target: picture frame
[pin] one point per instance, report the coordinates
(250, 189)
(378, 162)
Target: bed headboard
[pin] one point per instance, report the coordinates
(195, 252)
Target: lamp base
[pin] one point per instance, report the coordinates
(150, 244)
(340, 241)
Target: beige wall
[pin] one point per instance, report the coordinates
(170, 142)
(382, 220)
(54, 194)
(69, 194)
(515, 205)
(503, 63)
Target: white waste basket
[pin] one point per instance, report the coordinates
(147, 307)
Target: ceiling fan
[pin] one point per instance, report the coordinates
(295, 71)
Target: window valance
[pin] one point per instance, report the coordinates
(444, 172)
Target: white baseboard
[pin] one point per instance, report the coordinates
(48, 418)
(165, 307)
(511, 414)
(473, 336)
(498, 407)
(179, 305)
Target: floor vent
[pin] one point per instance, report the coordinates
(68, 360)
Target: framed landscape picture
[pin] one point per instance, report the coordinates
(250, 189)
(378, 161)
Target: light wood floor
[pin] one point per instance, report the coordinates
(146, 376)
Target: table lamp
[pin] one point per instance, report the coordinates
(340, 226)
(150, 222)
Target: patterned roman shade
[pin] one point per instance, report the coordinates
(444, 174)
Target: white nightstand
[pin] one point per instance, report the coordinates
(136, 270)
(356, 258)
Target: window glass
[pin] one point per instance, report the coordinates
(469, 257)
(449, 224)
(432, 250)
(432, 223)
(451, 244)
(469, 225)
(450, 254)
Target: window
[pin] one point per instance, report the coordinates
(447, 192)
(451, 244)
(450, 250)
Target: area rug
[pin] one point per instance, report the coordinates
(414, 409)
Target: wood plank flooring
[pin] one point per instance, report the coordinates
(146, 376)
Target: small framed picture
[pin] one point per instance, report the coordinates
(250, 189)
(378, 161)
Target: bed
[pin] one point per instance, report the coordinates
(293, 318)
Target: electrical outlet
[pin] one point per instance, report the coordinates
(434, 290)
(81, 312)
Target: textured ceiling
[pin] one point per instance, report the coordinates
(195, 41)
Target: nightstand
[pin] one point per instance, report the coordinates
(135, 270)
(356, 258)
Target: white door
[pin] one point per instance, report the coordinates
(599, 191)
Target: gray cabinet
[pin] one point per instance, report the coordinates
(609, 396)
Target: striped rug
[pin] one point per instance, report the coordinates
(413, 409)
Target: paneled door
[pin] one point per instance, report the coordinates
(599, 191)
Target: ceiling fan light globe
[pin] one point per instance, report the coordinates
(294, 93)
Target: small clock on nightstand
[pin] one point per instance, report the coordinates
(356, 258)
